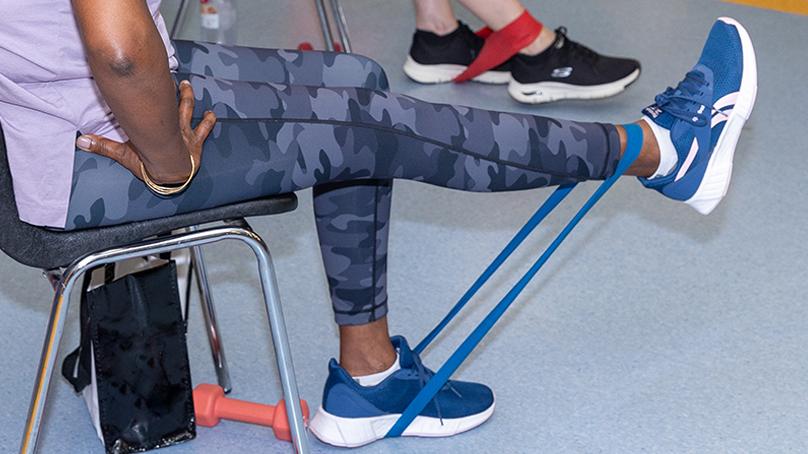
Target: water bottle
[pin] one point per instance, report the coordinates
(218, 21)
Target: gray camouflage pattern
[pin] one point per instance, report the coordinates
(292, 120)
(351, 217)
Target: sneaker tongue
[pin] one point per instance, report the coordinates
(405, 354)
(659, 116)
(561, 39)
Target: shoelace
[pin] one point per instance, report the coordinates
(682, 101)
(575, 48)
(424, 375)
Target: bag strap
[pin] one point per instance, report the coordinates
(76, 365)
(109, 274)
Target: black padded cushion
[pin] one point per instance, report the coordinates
(48, 249)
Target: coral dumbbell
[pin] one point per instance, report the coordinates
(211, 406)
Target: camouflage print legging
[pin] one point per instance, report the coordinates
(293, 120)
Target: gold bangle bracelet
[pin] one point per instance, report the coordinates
(164, 190)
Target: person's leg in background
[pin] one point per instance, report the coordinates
(437, 16)
(539, 64)
(352, 218)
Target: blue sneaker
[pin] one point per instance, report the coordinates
(353, 415)
(705, 114)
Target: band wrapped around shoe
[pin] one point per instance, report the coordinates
(502, 44)
(484, 32)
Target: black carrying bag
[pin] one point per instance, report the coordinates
(132, 362)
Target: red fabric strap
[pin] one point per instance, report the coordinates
(502, 44)
(484, 32)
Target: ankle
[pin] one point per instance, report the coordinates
(648, 161)
(366, 349)
(361, 362)
(542, 42)
(438, 26)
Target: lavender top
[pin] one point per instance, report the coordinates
(47, 94)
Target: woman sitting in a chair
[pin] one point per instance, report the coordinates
(265, 123)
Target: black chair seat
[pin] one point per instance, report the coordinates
(48, 249)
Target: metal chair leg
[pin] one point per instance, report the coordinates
(47, 362)
(211, 325)
(342, 25)
(179, 20)
(328, 37)
(283, 353)
(159, 246)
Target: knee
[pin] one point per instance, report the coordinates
(376, 75)
(362, 71)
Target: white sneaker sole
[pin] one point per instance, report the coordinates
(542, 92)
(717, 176)
(438, 74)
(354, 432)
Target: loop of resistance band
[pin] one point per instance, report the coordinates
(633, 147)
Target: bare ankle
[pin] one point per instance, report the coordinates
(648, 161)
(366, 349)
(443, 28)
(543, 42)
(437, 25)
(435, 16)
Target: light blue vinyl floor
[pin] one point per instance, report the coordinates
(653, 329)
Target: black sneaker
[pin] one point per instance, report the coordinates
(436, 59)
(568, 70)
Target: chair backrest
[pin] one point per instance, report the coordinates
(16, 237)
(30, 245)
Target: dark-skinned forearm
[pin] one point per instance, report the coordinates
(129, 63)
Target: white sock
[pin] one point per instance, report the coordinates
(667, 152)
(378, 377)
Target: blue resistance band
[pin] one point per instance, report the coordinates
(546, 208)
(427, 393)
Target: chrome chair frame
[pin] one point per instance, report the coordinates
(209, 314)
(325, 25)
